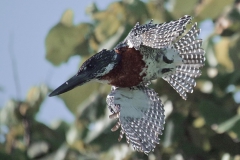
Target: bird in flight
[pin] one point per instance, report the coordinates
(150, 51)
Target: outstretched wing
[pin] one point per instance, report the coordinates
(140, 114)
(156, 35)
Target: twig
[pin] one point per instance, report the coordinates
(14, 65)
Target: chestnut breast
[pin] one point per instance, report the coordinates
(128, 72)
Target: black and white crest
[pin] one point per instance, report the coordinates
(156, 35)
(140, 115)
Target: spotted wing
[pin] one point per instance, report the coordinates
(140, 114)
(156, 35)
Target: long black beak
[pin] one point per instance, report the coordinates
(69, 85)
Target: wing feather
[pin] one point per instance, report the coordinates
(141, 115)
(156, 35)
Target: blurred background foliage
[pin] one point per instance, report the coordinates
(206, 126)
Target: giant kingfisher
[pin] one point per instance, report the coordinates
(150, 51)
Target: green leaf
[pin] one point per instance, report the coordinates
(211, 8)
(183, 7)
(64, 41)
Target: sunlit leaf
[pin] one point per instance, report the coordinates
(183, 7)
(64, 41)
(38, 149)
(234, 50)
(211, 8)
(222, 54)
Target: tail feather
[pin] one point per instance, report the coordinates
(193, 59)
(186, 86)
(177, 87)
(190, 46)
(183, 78)
(188, 38)
(189, 49)
(189, 70)
(198, 51)
(182, 83)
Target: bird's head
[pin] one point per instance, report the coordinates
(95, 67)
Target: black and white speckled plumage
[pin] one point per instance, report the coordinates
(140, 115)
(156, 35)
(189, 48)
